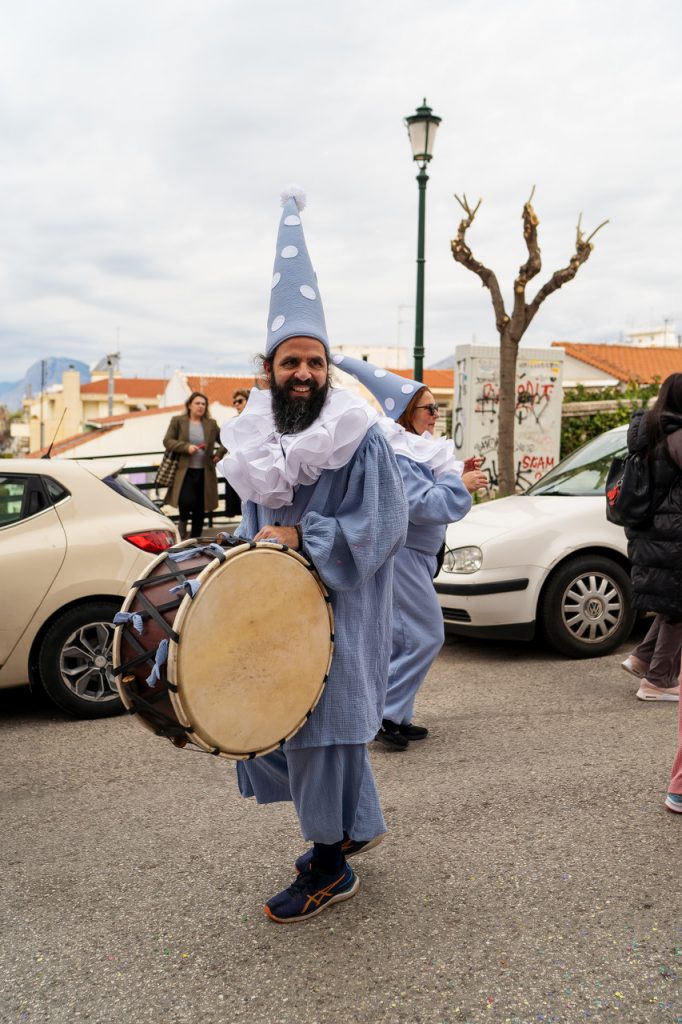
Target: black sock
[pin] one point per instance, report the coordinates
(328, 857)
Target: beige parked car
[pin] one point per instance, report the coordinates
(73, 538)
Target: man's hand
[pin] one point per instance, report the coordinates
(282, 534)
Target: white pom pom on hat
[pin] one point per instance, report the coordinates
(294, 192)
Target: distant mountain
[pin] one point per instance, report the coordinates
(11, 394)
(444, 364)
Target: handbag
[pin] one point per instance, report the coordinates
(630, 491)
(165, 474)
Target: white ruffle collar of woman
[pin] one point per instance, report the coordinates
(436, 453)
(265, 466)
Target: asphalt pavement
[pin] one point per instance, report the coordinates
(531, 872)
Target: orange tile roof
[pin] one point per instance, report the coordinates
(159, 411)
(134, 387)
(626, 362)
(106, 424)
(73, 442)
(219, 389)
(432, 378)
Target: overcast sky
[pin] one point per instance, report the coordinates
(144, 146)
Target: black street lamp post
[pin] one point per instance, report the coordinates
(421, 127)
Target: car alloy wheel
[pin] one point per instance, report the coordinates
(75, 660)
(85, 662)
(587, 606)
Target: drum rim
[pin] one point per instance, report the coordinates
(183, 611)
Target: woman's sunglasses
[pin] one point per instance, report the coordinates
(432, 407)
(239, 401)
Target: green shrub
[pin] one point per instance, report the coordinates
(576, 430)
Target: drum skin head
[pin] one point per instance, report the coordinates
(254, 652)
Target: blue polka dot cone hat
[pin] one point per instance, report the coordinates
(295, 304)
(391, 391)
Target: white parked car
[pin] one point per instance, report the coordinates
(72, 540)
(548, 559)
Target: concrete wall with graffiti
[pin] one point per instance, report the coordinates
(538, 410)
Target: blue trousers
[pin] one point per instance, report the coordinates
(332, 789)
(418, 631)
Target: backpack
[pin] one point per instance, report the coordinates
(630, 491)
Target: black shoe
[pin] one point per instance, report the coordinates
(413, 732)
(389, 735)
(349, 848)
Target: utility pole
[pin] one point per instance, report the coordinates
(43, 379)
(112, 363)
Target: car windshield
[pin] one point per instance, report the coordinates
(124, 487)
(584, 472)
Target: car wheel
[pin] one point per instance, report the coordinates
(587, 607)
(74, 662)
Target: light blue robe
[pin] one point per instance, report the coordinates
(353, 519)
(417, 617)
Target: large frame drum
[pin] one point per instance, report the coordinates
(249, 636)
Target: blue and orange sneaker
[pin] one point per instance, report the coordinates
(349, 848)
(673, 802)
(310, 894)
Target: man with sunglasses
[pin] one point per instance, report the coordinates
(239, 399)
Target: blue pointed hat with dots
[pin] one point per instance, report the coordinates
(392, 391)
(295, 304)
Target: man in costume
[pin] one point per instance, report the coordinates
(316, 473)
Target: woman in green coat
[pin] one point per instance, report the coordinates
(193, 436)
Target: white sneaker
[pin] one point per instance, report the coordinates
(673, 802)
(630, 665)
(647, 691)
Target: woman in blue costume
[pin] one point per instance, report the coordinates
(437, 487)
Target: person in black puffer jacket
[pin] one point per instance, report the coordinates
(655, 551)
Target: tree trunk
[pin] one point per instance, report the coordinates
(511, 329)
(506, 418)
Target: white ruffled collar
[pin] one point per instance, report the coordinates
(436, 453)
(265, 466)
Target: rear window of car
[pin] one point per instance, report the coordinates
(55, 491)
(12, 492)
(24, 496)
(583, 473)
(123, 486)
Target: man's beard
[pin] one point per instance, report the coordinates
(292, 415)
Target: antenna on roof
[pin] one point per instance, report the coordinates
(54, 438)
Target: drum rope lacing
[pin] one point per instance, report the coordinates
(151, 611)
(165, 725)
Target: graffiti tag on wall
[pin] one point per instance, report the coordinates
(537, 412)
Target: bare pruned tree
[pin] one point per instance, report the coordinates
(512, 328)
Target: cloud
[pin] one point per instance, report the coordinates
(146, 147)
